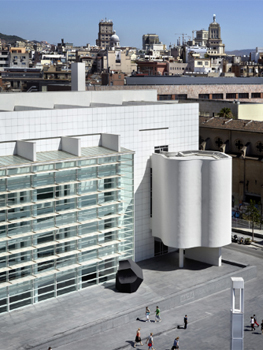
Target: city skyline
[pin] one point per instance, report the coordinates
(77, 21)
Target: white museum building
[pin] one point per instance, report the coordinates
(91, 178)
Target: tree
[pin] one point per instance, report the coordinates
(252, 213)
(226, 113)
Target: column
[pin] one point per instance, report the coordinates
(237, 313)
(181, 258)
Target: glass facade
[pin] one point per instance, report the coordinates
(64, 225)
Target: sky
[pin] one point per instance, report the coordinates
(77, 21)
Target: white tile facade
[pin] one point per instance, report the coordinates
(180, 132)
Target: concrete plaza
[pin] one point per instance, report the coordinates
(99, 317)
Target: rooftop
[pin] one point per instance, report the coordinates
(189, 155)
(58, 156)
(188, 80)
(231, 124)
(11, 102)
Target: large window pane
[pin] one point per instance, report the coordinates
(86, 201)
(66, 176)
(107, 170)
(88, 214)
(43, 179)
(66, 247)
(107, 210)
(65, 219)
(89, 255)
(88, 186)
(43, 237)
(15, 171)
(2, 185)
(66, 232)
(17, 228)
(87, 173)
(111, 159)
(44, 289)
(44, 208)
(88, 228)
(15, 183)
(65, 190)
(19, 213)
(44, 167)
(19, 258)
(19, 197)
(66, 282)
(66, 204)
(43, 223)
(43, 194)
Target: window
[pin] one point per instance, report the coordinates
(165, 97)
(217, 96)
(230, 95)
(159, 149)
(218, 142)
(199, 63)
(239, 144)
(181, 97)
(255, 95)
(204, 96)
(45, 193)
(243, 95)
(259, 146)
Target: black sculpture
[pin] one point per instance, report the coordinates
(128, 277)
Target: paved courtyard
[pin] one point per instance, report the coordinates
(89, 319)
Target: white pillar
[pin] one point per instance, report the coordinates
(78, 78)
(237, 313)
(181, 258)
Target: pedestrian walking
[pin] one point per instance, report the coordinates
(185, 321)
(176, 344)
(252, 323)
(149, 341)
(255, 320)
(49, 348)
(157, 314)
(262, 327)
(138, 338)
(147, 314)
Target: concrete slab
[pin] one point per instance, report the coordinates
(99, 315)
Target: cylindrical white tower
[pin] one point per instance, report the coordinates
(192, 199)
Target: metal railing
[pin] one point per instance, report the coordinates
(245, 224)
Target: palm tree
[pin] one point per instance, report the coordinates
(226, 113)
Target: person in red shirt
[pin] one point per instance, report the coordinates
(138, 338)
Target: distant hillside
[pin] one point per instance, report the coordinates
(245, 52)
(10, 38)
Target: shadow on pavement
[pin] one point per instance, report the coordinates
(170, 262)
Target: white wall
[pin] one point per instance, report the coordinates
(192, 200)
(212, 256)
(182, 133)
(74, 98)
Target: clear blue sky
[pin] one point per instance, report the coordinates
(77, 21)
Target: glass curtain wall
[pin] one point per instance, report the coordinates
(63, 227)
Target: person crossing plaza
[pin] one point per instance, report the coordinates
(149, 342)
(147, 314)
(157, 314)
(138, 338)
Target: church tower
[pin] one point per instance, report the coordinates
(214, 42)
